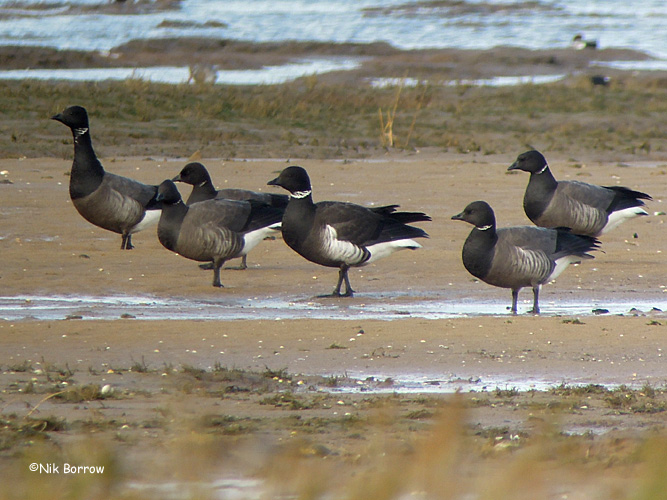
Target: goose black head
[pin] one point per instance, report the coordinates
(194, 174)
(530, 161)
(75, 117)
(294, 179)
(479, 214)
(168, 193)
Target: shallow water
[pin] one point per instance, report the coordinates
(471, 24)
(497, 81)
(174, 75)
(365, 306)
(102, 26)
(269, 75)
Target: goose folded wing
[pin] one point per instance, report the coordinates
(586, 194)
(353, 223)
(528, 237)
(518, 267)
(231, 214)
(273, 199)
(143, 193)
(207, 241)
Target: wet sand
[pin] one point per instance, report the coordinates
(49, 250)
(62, 254)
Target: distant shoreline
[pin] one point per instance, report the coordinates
(379, 60)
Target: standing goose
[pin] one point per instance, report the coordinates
(213, 230)
(520, 256)
(203, 189)
(339, 234)
(109, 201)
(198, 177)
(584, 208)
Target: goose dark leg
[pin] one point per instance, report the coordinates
(342, 276)
(242, 266)
(216, 273)
(515, 299)
(126, 242)
(536, 300)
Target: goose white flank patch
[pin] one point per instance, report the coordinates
(196, 175)
(213, 230)
(109, 201)
(584, 208)
(340, 234)
(519, 256)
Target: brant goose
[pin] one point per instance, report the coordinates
(520, 256)
(213, 230)
(109, 201)
(198, 177)
(584, 208)
(339, 234)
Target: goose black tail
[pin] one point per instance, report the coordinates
(627, 198)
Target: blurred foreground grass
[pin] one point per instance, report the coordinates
(440, 459)
(180, 433)
(309, 118)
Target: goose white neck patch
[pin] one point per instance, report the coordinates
(485, 228)
(80, 131)
(546, 165)
(301, 194)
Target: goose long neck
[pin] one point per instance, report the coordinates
(87, 171)
(169, 226)
(479, 249)
(175, 211)
(484, 236)
(204, 190)
(544, 179)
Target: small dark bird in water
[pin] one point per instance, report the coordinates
(339, 234)
(109, 201)
(579, 43)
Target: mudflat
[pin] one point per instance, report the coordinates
(422, 383)
(317, 367)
